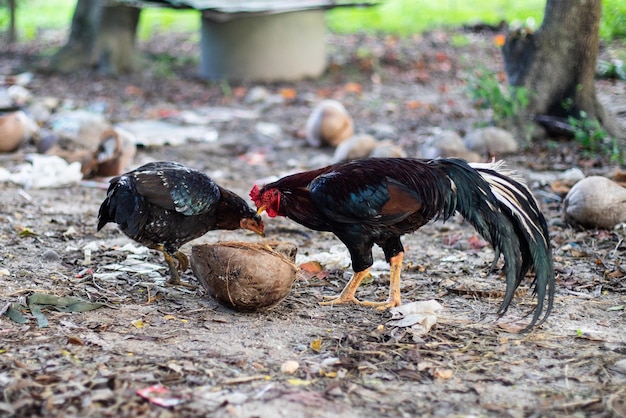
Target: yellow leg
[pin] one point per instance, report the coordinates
(394, 286)
(347, 294)
(175, 262)
(183, 261)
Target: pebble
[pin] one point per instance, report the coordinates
(289, 367)
(383, 131)
(491, 140)
(50, 255)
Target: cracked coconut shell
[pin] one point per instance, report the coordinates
(243, 276)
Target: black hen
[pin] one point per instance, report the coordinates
(377, 200)
(164, 205)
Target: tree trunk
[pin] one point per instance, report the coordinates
(115, 46)
(557, 63)
(12, 37)
(101, 37)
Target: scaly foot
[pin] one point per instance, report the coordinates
(381, 306)
(175, 281)
(340, 300)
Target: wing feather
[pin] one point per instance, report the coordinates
(363, 196)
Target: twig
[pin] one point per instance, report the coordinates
(576, 404)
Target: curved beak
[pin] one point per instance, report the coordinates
(260, 210)
(254, 226)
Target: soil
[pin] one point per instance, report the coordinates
(202, 359)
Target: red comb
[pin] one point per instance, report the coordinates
(255, 193)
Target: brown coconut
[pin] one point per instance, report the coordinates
(595, 202)
(116, 150)
(329, 124)
(243, 276)
(15, 128)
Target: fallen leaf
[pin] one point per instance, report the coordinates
(443, 374)
(138, 323)
(499, 40)
(312, 267)
(288, 93)
(246, 379)
(476, 242)
(353, 87)
(413, 104)
(299, 382)
(26, 232)
(72, 339)
(316, 345)
(511, 327)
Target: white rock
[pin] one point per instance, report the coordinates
(491, 140)
(358, 146)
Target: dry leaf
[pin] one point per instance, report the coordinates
(499, 40)
(72, 339)
(138, 323)
(313, 267)
(299, 382)
(316, 345)
(353, 87)
(443, 374)
(288, 93)
(413, 104)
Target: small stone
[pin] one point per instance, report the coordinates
(572, 176)
(289, 367)
(387, 149)
(358, 146)
(257, 94)
(448, 144)
(50, 256)
(490, 141)
(383, 131)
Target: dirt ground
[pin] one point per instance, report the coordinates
(212, 361)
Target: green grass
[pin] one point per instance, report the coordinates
(392, 16)
(34, 15)
(613, 23)
(414, 16)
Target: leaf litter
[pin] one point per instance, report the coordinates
(195, 357)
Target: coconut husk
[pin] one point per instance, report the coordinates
(244, 276)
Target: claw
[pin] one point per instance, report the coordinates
(175, 262)
(340, 300)
(382, 306)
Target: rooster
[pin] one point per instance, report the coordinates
(377, 200)
(164, 205)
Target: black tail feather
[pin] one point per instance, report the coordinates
(505, 213)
